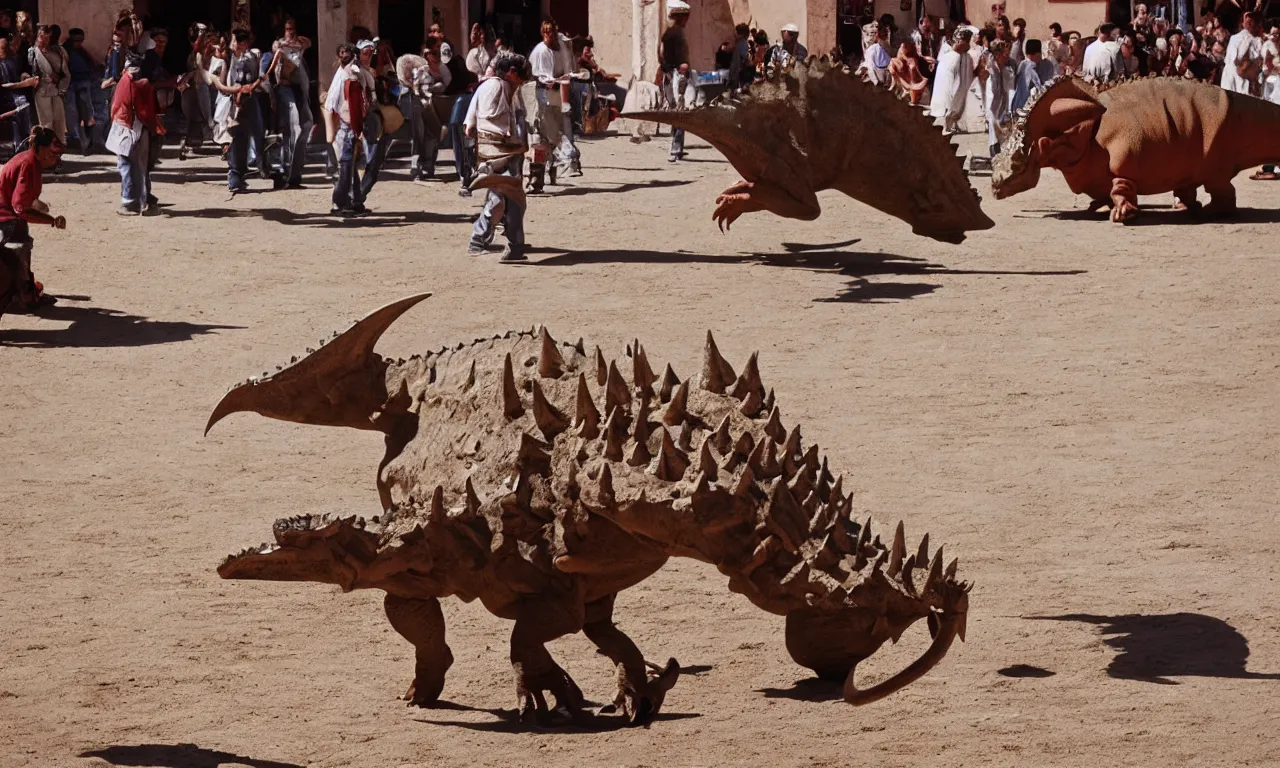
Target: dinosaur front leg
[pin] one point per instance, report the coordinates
(1124, 200)
(422, 623)
(640, 695)
(749, 196)
(733, 202)
(538, 623)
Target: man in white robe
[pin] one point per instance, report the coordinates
(951, 87)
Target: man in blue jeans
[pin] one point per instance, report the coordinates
(15, 93)
(293, 103)
(345, 101)
(242, 79)
(80, 96)
(491, 120)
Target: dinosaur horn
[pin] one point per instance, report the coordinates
(340, 384)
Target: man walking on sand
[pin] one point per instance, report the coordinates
(491, 121)
(673, 53)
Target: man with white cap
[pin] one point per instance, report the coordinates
(673, 53)
(788, 50)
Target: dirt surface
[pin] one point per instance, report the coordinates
(1084, 413)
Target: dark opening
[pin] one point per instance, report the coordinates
(403, 24)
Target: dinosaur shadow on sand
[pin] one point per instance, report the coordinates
(509, 721)
(177, 756)
(1158, 215)
(816, 258)
(325, 220)
(102, 327)
(1157, 647)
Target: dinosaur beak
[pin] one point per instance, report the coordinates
(342, 383)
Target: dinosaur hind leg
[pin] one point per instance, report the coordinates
(640, 695)
(1186, 200)
(538, 623)
(1222, 199)
(422, 623)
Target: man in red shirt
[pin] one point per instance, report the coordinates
(134, 105)
(21, 180)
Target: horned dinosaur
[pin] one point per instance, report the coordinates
(534, 476)
(1145, 136)
(815, 125)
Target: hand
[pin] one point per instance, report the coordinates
(160, 129)
(59, 222)
(470, 131)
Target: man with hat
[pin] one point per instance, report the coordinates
(491, 120)
(787, 50)
(673, 54)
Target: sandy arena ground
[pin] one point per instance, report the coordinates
(1084, 413)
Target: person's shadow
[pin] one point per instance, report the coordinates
(1158, 647)
(102, 327)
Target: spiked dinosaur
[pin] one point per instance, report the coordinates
(814, 125)
(490, 489)
(1145, 136)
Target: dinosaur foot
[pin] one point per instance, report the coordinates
(1192, 207)
(1216, 210)
(640, 701)
(533, 707)
(734, 202)
(1123, 211)
(424, 691)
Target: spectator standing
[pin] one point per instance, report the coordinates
(1017, 50)
(133, 122)
(673, 53)
(491, 121)
(789, 48)
(998, 87)
(741, 71)
(1243, 59)
(1102, 57)
(293, 102)
(345, 101)
(15, 92)
(79, 100)
(462, 83)
(1029, 76)
(955, 77)
(47, 61)
(551, 63)
(240, 80)
(196, 107)
(21, 181)
(429, 81)
(928, 43)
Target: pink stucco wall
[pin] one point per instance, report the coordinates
(96, 17)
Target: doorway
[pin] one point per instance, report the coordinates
(403, 24)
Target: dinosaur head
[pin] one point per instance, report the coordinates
(1051, 131)
(307, 548)
(342, 383)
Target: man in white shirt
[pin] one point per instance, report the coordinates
(1100, 58)
(345, 101)
(491, 121)
(1243, 64)
(548, 96)
(1027, 77)
(951, 86)
(427, 81)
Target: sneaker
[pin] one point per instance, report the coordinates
(575, 169)
(127, 210)
(360, 210)
(475, 249)
(151, 210)
(184, 153)
(295, 185)
(152, 200)
(464, 192)
(513, 253)
(673, 159)
(336, 211)
(551, 173)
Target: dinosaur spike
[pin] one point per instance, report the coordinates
(716, 373)
(768, 400)
(811, 460)
(436, 514)
(548, 418)
(668, 384)
(864, 536)
(602, 369)
(707, 461)
(614, 435)
(769, 463)
(580, 347)
(616, 394)
(899, 550)
(639, 454)
(746, 481)
(785, 517)
(935, 572)
(750, 405)
(606, 484)
(672, 462)
(742, 450)
(749, 382)
(773, 428)
(641, 429)
(641, 374)
(677, 410)
(836, 496)
(550, 361)
(721, 438)
(473, 501)
(908, 581)
(922, 554)
(756, 459)
(534, 455)
(471, 377)
(793, 442)
(684, 440)
(511, 406)
(951, 569)
(801, 484)
(701, 484)
(588, 418)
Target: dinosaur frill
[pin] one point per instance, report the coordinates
(814, 125)
(539, 478)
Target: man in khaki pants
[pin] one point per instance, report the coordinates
(49, 62)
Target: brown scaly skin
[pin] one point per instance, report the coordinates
(816, 126)
(535, 477)
(1140, 137)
